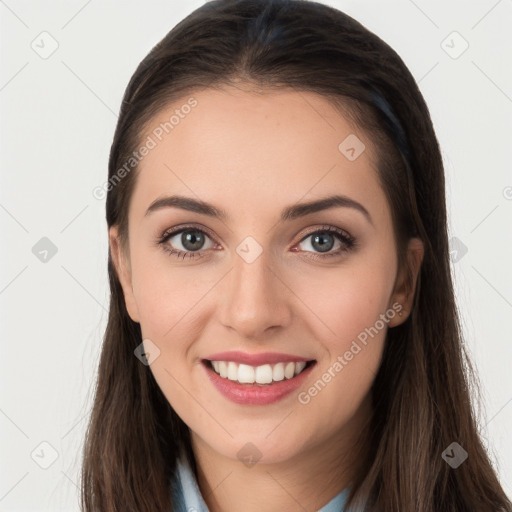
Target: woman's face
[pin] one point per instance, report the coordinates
(265, 284)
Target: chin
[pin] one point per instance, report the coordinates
(258, 449)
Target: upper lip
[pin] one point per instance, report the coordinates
(255, 359)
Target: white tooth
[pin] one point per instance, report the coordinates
(299, 367)
(223, 369)
(232, 371)
(289, 370)
(245, 374)
(263, 374)
(278, 372)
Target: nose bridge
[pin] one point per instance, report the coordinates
(255, 298)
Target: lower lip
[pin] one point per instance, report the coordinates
(256, 394)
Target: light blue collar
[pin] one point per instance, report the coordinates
(187, 496)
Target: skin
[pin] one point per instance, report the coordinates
(253, 154)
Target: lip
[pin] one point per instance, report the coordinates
(256, 394)
(255, 359)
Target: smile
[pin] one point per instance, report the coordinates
(270, 378)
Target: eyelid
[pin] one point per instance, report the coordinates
(330, 229)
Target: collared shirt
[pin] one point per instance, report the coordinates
(187, 496)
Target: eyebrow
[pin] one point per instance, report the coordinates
(289, 213)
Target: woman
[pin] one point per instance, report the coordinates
(282, 331)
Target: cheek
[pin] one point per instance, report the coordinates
(166, 294)
(350, 312)
(346, 300)
(169, 301)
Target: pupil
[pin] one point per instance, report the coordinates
(324, 245)
(192, 240)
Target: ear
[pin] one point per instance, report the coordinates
(405, 284)
(122, 265)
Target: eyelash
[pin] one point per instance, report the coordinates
(346, 239)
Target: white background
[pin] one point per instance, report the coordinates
(57, 121)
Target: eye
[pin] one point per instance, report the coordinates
(189, 242)
(191, 239)
(323, 240)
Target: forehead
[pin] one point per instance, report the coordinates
(249, 151)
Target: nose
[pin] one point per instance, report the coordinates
(255, 300)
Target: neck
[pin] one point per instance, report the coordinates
(307, 481)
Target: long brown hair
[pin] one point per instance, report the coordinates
(424, 391)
